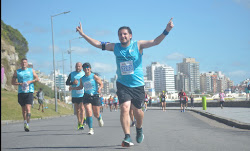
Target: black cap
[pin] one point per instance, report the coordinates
(86, 64)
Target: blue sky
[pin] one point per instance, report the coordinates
(214, 32)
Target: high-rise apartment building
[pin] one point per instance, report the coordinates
(151, 69)
(206, 82)
(214, 82)
(105, 89)
(162, 76)
(191, 69)
(181, 82)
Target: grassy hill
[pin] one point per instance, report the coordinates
(11, 110)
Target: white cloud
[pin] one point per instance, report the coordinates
(32, 28)
(102, 32)
(56, 48)
(175, 56)
(36, 49)
(82, 51)
(103, 68)
(239, 75)
(66, 32)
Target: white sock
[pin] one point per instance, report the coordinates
(25, 122)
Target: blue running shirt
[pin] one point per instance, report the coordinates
(77, 76)
(129, 65)
(24, 76)
(89, 84)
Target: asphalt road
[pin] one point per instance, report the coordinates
(170, 130)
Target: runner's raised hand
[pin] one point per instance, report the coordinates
(170, 25)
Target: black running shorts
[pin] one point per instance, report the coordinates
(25, 98)
(94, 100)
(77, 100)
(135, 94)
(40, 101)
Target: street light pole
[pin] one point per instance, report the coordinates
(64, 79)
(54, 58)
(70, 56)
(70, 51)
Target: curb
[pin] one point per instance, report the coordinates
(224, 120)
(227, 121)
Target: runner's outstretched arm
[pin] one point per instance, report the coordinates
(149, 43)
(94, 42)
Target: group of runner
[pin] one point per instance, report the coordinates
(112, 103)
(86, 86)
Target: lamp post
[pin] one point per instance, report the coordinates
(64, 80)
(69, 52)
(63, 77)
(54, 58)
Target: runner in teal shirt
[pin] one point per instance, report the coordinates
(130, 84)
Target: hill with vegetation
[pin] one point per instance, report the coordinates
(13, 48)
(15, 38)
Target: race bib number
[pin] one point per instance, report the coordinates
(79, 91)
(127, 67)
(87, 86)
(25, 87)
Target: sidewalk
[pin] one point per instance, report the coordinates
(235, 117)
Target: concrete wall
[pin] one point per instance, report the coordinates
(211, 104)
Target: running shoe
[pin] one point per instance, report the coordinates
(101, 123)
(78, 126)
(133, 124)
(81, 127)
(85, 122)
(139, 135)
(91, 131)
(26, 127)
(127, 142)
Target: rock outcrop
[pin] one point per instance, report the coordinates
(9, 61)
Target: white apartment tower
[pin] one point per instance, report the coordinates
(162, 76)
(206, 82)
(191, 69)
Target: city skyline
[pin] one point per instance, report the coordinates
(148, 76)
(215, 33)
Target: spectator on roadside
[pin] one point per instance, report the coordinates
(192, 100)
(163, 101)
(150, 101)
(222, 99)
(40, 98)
(248, 92)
